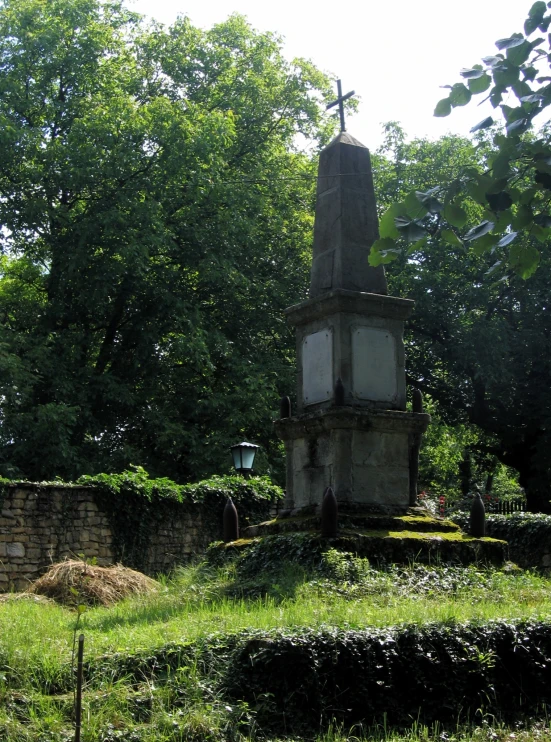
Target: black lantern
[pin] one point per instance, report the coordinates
(243, 457)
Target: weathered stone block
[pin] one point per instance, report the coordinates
(15, 549)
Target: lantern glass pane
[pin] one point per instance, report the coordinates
(236, 453)
(248, 457)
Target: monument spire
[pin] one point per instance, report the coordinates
(346, 223)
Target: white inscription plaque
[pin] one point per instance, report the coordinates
(374, 364)
(317, 367)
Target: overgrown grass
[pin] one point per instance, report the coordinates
(36, 679)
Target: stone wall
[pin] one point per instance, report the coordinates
(43, 524)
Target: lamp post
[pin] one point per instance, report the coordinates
(243, 457)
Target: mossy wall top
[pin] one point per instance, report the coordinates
(150, 525)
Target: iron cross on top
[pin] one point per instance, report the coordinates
(339, 102)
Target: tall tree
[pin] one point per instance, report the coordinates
(155, 222)
(480, 348)
(513, 184)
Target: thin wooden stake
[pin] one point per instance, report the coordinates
(78, 703)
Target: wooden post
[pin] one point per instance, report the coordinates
(78, 700)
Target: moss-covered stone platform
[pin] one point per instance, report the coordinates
(415, 536)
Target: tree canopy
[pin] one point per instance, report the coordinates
(479, 348)
(510, 182)
(156, 221)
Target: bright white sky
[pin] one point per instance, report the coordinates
(394, 53)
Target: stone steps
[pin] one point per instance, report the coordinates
(415, 536)
(415, 520)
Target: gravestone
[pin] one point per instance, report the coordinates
(351, 332)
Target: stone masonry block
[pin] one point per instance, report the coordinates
(15, 549)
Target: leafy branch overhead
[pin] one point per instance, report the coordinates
(500, 204)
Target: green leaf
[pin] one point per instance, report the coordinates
(510, 42)
(537, 10)
(472, 73)
(528, 196)
(507, 239)
(460, 95)
(387, 228)
(524, 259)
(523, 91)
(500, 165)
(543, 219)
(410, 229)
(479, 247)
(519, 54)
(503, 221)
(494, 268)
(505, 75)
(518, 126)
(451, 238)
(478, 187)
(415, 208)
(523, 217)
(492, 61)
(499, 201)
(530, 25)
(429, 200)
(480, 230)
(535, 17)
(484, 124)
(383, 251)
(544, 179)
(455, 215)
(540, 233)
(532, 98)
(443, 107)
(417, 246)
(480, 84)
(496, 95)
(81, 609)
(529, 73)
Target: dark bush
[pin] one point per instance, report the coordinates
(528, 536)
(436, 673)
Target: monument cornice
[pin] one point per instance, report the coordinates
(348, 418)
(351, 302)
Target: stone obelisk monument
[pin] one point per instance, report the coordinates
(351, 430)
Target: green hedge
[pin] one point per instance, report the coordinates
(528, 536)
(298, 682)
(435, 673)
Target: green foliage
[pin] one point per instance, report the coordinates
(434, 673)
(477, 347)
(171, 665)
(136, 505)
(511, 183)
(156, 216)
(528, 536)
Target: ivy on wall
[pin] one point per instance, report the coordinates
(137, 505)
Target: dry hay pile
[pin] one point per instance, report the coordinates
(74, 582)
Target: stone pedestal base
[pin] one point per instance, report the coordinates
(364, 455)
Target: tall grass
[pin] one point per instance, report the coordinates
(36, 642)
